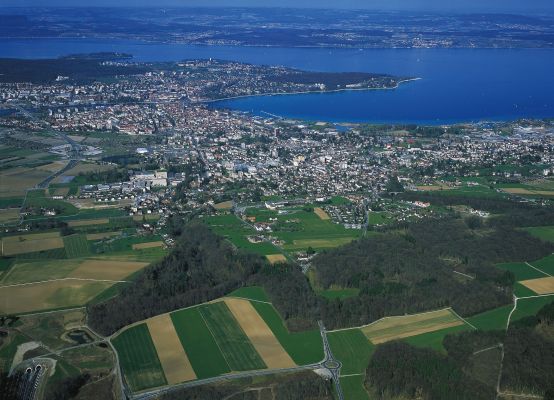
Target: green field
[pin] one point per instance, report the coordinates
(434, 340)
(522, 291)
(491, 320)
(37, 271)
(545, 233)
(251, 293)
(76, 246)
(138, 358)
(353, 387)
(521, 271)
(529, 307)
(237, 232)
(352, 349)
(545, 264)
(303, 347)
(231, 339)
(201, 348)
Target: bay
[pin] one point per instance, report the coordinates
(456, 85)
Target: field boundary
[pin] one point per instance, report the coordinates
(62, 279)
(541, 271)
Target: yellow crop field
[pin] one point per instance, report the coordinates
(540, 285)
(175, 363)
(103, 235)
(259, 334)
(106, 269)
(321, 214)
(48, 295)
(88, 222)
(276, 258)
(391, 328)
(226, 205)
(148, 245)
(20, 244)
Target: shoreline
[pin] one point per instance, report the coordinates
(307, 92)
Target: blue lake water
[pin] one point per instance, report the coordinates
(457, 85)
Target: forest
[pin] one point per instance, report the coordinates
(303, 385)
(202, 267)
(398, 369)
(412, 270)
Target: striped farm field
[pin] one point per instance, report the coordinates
(201, 348)
(88, 222)
(76, 246)
(21, 244)
(321, 213)
(276, 258)
(259, 334)
(174, 360)
(138, 358)
(238, 351)
(147, 245)
(391, 328)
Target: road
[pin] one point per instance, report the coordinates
(330, 362)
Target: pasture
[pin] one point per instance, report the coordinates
(434, 339)
(20, 244)
(391, 328)
(540, 285)
(259, 334)
(521, 271)
(201, 348)
(231, 339)
(492, 319)
(250, 292)
(545, 264)
(545, 233)
(352, 348)
(353, 387)
(138, 358)
(15, 181)
(172, 356)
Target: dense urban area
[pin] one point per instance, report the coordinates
(155, 245)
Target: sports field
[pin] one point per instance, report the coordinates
(147, 245)
(540, 285)
(20, 244)
(391, 328)
(238, 351)
(138, 358)
(172, 356)
(321, 213)
(48, 295)
(276, 258)
(259, 334)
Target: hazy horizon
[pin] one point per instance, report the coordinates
(470, 6)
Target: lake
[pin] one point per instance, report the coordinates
(456, 85)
